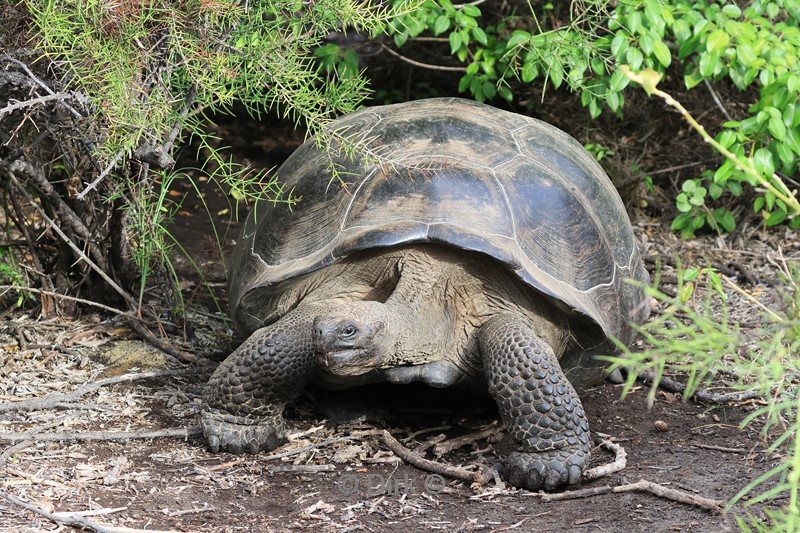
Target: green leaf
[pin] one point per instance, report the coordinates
(689, 47)
(662, 53)
(517, 38)
(718, 40)
(634, 58)
(614, 101)
(529, 72)
(724, 172)
(400, 39)
(690, 274)
(441, 25)
(746, 54)
(692, 77)
(646, 43)
(470, 10)
(465, 82)
(708, 63)
(619, 45)
(618, 81)
(699, 197)
(656, 17)
(634, 21)
(793, 83)
(455, 42)
(480, 35)
(732, 10)
(776, 126)
(681, 221)
(725, 219)
(556, 74)
(786, 155)
(763, 161)
(776, 217)
(682, 203)
(681, 30)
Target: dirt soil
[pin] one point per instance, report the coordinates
(127, 453)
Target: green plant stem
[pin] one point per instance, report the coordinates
(649, 78)
(793, 510)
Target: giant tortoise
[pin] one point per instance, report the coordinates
(441, 241)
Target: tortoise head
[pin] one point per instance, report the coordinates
(352, 339)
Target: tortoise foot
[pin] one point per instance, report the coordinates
(544, 470)
(227, 433)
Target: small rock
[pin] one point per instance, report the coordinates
(661, 425)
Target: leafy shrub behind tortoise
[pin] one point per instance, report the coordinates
(470, 246)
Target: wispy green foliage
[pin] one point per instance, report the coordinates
(692, 334)
(154, 71)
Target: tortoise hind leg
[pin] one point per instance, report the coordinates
(538, 405)
(244, 399)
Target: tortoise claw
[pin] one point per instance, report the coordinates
(234, 434)
(548, 471)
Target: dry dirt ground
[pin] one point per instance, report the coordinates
(126, 453)
(96, 425)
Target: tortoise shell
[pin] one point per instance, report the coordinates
(458, 173)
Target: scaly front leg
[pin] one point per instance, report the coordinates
(244, 400)
(539, 406)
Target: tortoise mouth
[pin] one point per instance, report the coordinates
(347, 362)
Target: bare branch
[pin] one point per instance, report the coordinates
(21, 104)
(422, 65)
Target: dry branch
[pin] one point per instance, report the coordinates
(100, 435)
(433, 466)
(620, 461)
(56, 398)
(72, 519)
(453, 444)
(661, 491)
(673, 494)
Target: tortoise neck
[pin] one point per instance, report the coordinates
(419, 317)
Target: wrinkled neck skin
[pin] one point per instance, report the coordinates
(407, 329)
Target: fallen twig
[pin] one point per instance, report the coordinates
(422, 447)
(701, 395)
(415, 459)
(453, 444)
(661, 491)
(620, 461)
(72, 519)
(673, 494)
(725, 449)
(296, 451)
(100, 435)
(574, 494)
(54, 399)
(301, 469)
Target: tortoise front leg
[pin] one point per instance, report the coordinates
(244, 399)
(538, 405)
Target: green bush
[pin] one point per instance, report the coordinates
(755, 47)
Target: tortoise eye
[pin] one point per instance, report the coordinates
(348, 331)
